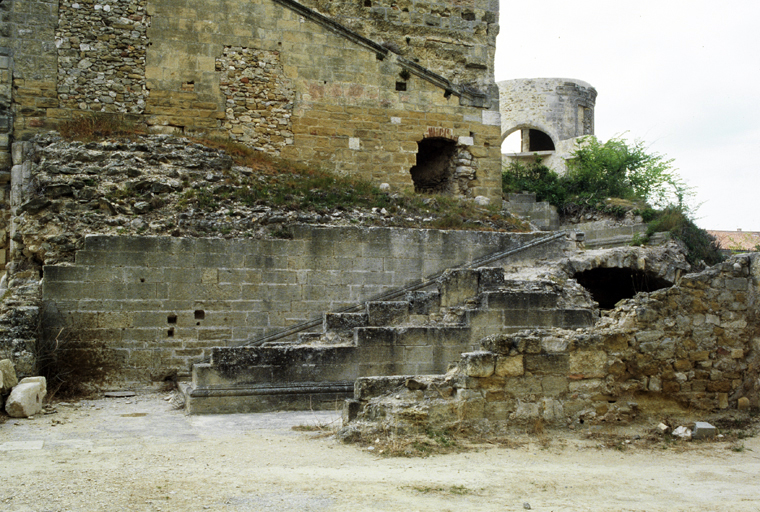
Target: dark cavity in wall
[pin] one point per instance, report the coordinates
(610, 285)
(539, 141)
(435, 162)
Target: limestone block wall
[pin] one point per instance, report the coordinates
(333, 101)
(158, 304)
(437, 33)
(694, 346)
(31, 42)
(346, 86)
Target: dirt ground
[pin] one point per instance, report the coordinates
(139, 453)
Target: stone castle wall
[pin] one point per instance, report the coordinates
(346, 86)
(158, 304)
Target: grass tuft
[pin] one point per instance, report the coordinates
(98, 125)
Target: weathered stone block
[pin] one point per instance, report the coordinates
(547, 363)
(703, 430)
(659, 348)
(554, 385)
(522, 386)
(26, 398)
(387, 313)
(589, 364)
(7, 376)
(509, 366)
(457, 286)
(478, 364)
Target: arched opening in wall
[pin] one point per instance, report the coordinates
(435, 164)
(539, 141)
(513, 143)
(527, 140)
(608, 286)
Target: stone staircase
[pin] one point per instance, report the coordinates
(541, 214)
(421, 334)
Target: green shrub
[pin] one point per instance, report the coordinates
(700, 244)
(619, 170)
(537, 178)
(624, 170)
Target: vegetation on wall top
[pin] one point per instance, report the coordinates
(600, 175)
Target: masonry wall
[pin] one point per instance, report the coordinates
(355, 98)
(560, 107)
(691, 347)
(157, 304)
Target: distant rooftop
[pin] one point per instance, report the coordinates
(737, 241)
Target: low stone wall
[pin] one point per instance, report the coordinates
(691, 347)
(158, 304)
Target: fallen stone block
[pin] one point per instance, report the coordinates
(703, 430)
(743, 403)
(26, 398)
(8, 377)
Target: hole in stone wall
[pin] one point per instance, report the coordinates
(435, 162)
(170, 333)
(367, 3)
(539, 141)
(200, 314)
(142, 279)
(610, 285)
(468, 16)
(400, 86)
(171, 319)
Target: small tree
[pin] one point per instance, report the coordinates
(624, 170)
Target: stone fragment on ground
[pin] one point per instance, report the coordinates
(26, 398)
(703, 430)
(683, 433)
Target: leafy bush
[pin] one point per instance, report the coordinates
(537, 178)
(618, 169)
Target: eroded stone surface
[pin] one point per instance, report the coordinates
(26, 398)
(690, 347)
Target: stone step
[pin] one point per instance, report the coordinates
(387, 312)
(423, 302)
(309, 337)
(343, 321)
(411, 335)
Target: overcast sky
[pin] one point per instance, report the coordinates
(683, 76)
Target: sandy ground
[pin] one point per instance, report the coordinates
(139, 454)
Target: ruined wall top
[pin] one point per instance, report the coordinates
(456, 39)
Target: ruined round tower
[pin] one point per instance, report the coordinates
(550, 114)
